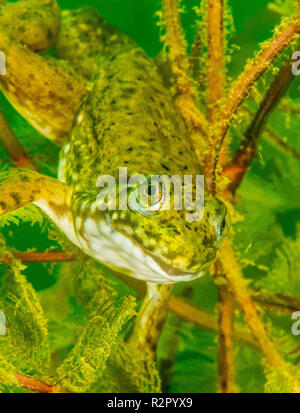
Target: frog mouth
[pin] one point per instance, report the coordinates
(170, 273)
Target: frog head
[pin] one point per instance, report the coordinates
(148, 241)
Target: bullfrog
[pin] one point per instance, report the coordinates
(104, 101)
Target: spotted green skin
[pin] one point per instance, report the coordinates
(129, 119)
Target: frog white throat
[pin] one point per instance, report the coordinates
(100, 240)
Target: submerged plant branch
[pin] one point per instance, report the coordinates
(215, 65)
(38, 386)
(238, 286)
(226, 306)
(47, 256)
(34, 385)
(216, 92)
(203, 319)
(270, 135)
(241, 88)
(245, 154)
(186, 94)
(13, 146)
(282, 302)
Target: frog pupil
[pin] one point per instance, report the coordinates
(151, 190)
(223, 225)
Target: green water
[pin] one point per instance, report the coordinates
(270, 208)
(253, 24)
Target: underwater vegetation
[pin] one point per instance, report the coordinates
(185, 86)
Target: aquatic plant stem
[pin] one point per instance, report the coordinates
(13, 146)
(226, 306)
(245, 154)
(284, 35)
(270, 135)
(34, 385)
(216, 93)
(239, 288)
(277, 301)
(46, 256)
(203, 319)
(186, 93)
(38, 386)
(215, 64)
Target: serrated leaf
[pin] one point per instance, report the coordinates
(87, 360)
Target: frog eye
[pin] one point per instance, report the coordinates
(151, 191)
(225, 226)
(147, 199)
(218, 216)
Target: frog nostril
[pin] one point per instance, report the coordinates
(216, 212)
(223, 225)
(227, 225)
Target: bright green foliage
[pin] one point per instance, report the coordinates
(87, 360)
(29, 214)
(282, 7)
(7, 374)
(129, 371)
(188, 358)
(26, 343)
(75, 328)
(277, 382)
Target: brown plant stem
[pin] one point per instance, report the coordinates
(47, 256)
(238, 286)
(215, 64)
(245, 154)
(38, 386)
(240, 91)
(232, 269)
(13, 146)
(186, 94)
(225, 351)
(34, 385)
(283, 303)
(270, 135)
(216, 93)
(203, 319)
(192, 314)
(279, 302)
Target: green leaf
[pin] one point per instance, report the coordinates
(26, 343)
(7, 374)
(278, 381)
(282, 7)
(30, 214)
(129, 371)
(87, 360)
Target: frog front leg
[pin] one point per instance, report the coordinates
(151, 318)
(46, 92)
(25, 187)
